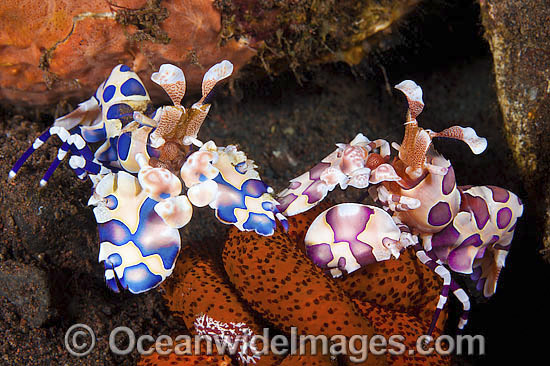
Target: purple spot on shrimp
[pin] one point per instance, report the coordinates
(504, 216)
(519, 201)
(512, 228)
(461, 258)
(285, 201)
(449, 181)
(315, 192)
(317, 170)
(342, 263)
(440, 214)
(478, 207)
(255, 187)
(444, 241)
(346, 228)
(499, 194)
(472, 240)
(320, 254)
(476, 274)
(294, 185)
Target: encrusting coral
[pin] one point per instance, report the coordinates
(69, 45)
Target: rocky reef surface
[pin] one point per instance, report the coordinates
(519, 37)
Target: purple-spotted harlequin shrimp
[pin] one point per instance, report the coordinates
(349, 165)
(425, 197)
(361, 235)
(466, 230)
(476, 242)
(141, 170)
(487, 216)
(428, 200)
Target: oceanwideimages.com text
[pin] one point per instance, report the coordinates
(80, 340)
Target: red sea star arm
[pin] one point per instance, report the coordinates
(199, 286)
(282, 284)
(402, 284)
(390, 322)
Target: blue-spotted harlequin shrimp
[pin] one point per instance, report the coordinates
(226, 180)
(101, 118)
(138, 221)
(467, 230)
(137, 173)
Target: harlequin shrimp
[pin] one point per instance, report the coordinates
(359, 235)
(138, 221)
(354, 164)
(462, 229)
(223, 178)
(476, 242)
(425, 197)
(137, 190)
(99, 119)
